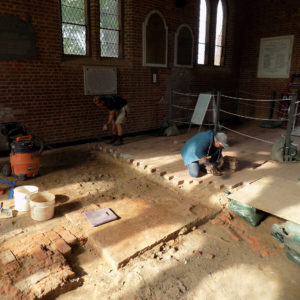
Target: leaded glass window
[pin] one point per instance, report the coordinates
(73, 27)
(220, 35)
(109, 28)
(203, 30)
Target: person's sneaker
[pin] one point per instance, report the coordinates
(119, 141)
(112, 140)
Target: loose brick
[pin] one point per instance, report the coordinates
(67, 236)
(61, 246)
(6, 257)
(52, 235)
(178, 181)
(78, 234)
(130, 160)
(168, 176)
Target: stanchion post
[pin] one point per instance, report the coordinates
(289, 129)
(218, 111)
(272, 104)
(171, 107)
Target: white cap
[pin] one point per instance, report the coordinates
(222, 139)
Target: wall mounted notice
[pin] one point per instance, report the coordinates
(100, 80)
(275, 57)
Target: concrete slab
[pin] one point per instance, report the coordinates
(141, 226)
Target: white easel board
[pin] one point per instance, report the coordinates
(201, 108)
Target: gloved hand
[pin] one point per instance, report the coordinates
(210, 169)
(220, 163)
(105, 128)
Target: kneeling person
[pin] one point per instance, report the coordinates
(204, 148)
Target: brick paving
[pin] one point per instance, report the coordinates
(36, 266)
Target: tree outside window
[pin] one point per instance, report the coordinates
(73, 27)
(109, 28)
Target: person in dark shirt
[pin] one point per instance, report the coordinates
(118, 110)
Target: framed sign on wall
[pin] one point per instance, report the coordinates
(275, 57)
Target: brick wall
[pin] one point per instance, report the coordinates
(47, 93)
(263, 19)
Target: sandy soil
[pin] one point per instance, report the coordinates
(225, 258)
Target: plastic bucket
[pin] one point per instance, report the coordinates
(42, 206)
(21, 194)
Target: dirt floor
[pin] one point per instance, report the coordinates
(221, 258)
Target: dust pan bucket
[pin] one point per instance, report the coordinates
(42, 206)
(21, 196)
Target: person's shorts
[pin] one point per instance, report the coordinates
(121, 115)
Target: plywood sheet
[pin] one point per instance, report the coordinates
(274, 195)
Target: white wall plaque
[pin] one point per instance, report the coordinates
(275, 57)
(100, 80)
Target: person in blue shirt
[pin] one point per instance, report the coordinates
(204, 148)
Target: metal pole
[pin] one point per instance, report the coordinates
(289, 129)
(218, 111)
(272, 104)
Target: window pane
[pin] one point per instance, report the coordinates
(109, 21)
(74, 39)
(109, 43)
(202, 22)
(73, 27)
(219, 34)
(218, 55)
(109, 6)
(184, 47)
(109, 28)
(73, 11)
(201, 54)
(155, 40)
(202, 32)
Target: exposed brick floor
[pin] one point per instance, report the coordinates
(36, 266)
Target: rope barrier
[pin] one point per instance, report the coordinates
(178, 121)
(185, 94)
(249, 136)
(258, 100)
(183, 107)
(252, 118)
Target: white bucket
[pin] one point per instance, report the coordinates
(21, 194)
(42, 206)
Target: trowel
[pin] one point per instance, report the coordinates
(6, 211)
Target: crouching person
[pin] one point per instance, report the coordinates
(118, 110)
(204, 148)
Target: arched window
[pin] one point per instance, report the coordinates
(203, 32)
(184, 42)
(155, 34)
(220, 33)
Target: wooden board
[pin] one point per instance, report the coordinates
(274, 195)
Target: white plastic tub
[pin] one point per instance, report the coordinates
(42, 206)
(21, 196)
